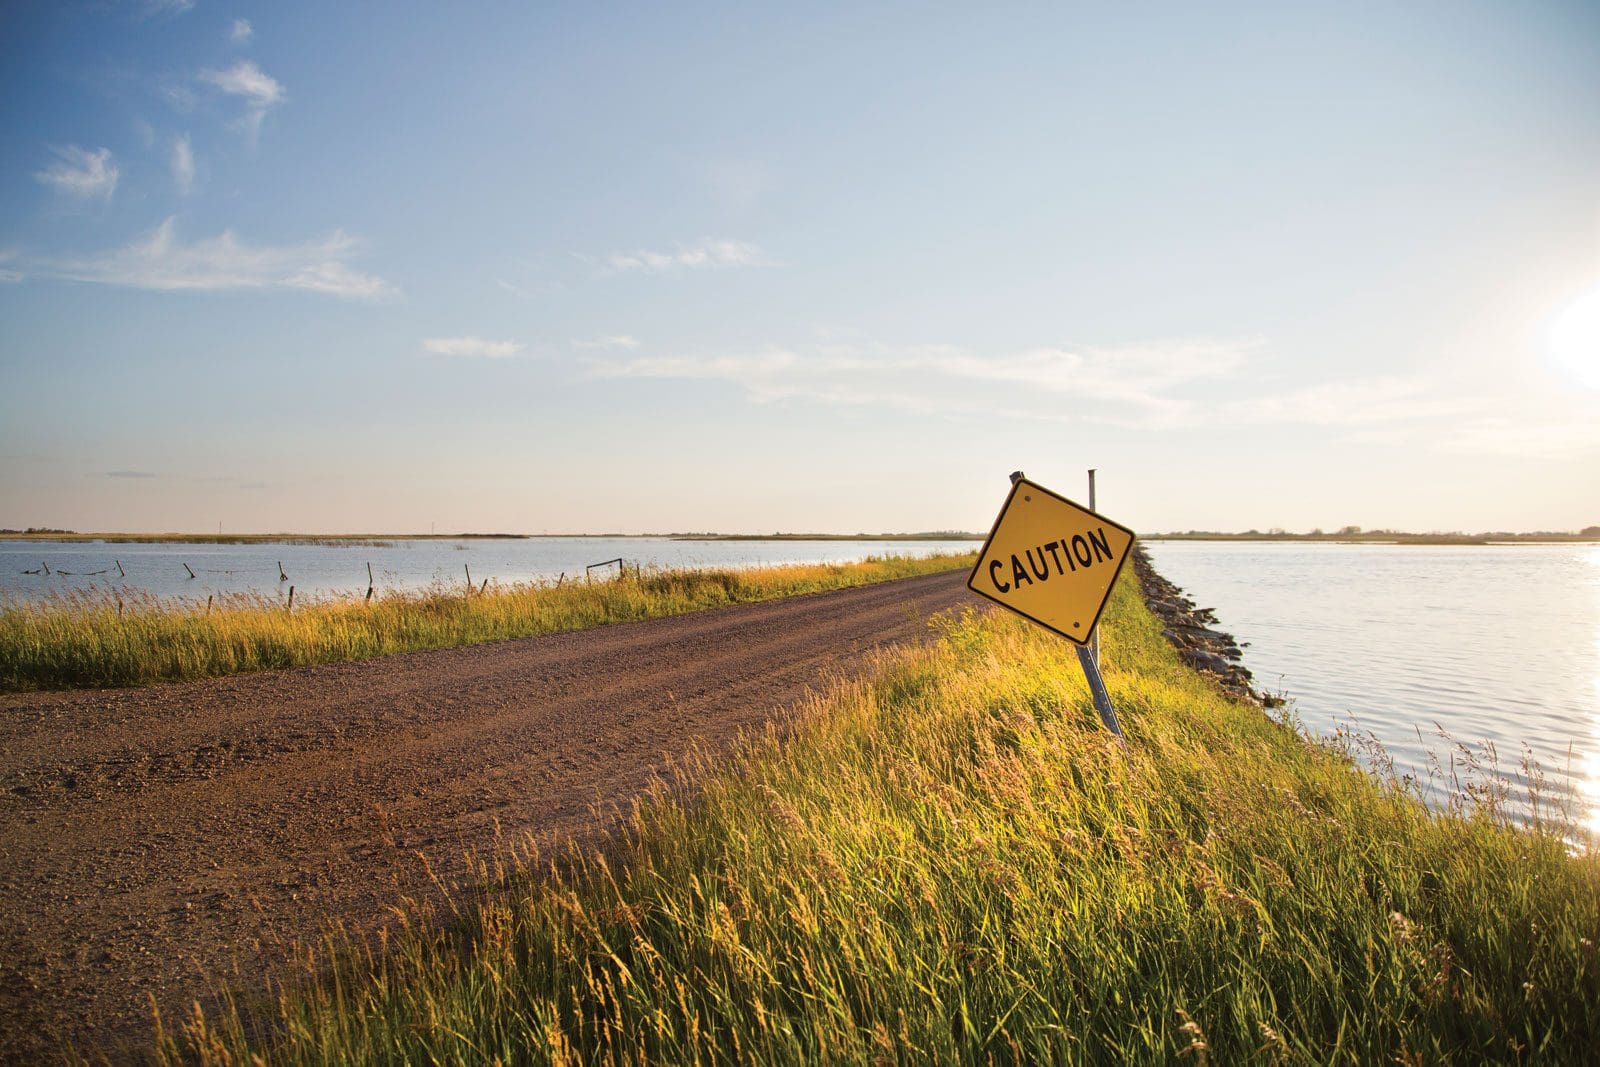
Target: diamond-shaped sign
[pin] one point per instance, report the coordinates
(1051, 560)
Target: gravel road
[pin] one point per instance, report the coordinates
(153, 838)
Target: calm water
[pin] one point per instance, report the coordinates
(341, 569)
(1496, 644)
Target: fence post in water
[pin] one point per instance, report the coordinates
(469, 578)
(291, 599)
(622, 568)
(369, 583)
(120, 571)
(189, 569)
(282, 577)
(45, 565)
(484, 586)
(208, 604)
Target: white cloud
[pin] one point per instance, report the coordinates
(241, 32)
(161, 261)
(471, 347)
(80, 172)
(7, 275)
(708, 252)
(620, 340)
(260, 91)
(183, 164)
(244, 79)
(1132, 385)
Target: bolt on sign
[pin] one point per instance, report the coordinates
(1051, 560)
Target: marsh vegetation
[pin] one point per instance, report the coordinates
(111, 638)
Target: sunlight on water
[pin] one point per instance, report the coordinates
(1590, 783)
(1427, 648)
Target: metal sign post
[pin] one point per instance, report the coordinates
(1054, 562)
(1097, 689)
(1094, 635)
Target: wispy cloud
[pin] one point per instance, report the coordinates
(1415, 412)
(154, 8)
(1495, 436)
(260, 91)
(6, 274)
(1192, 385)
(1134, 384)
(620, 340)
(531, 290)
(162, 261)
(707, 252)
(475, 347)
(1358, 402)
(80, 172)
(183, 164)
(131, 474)
(241, 32)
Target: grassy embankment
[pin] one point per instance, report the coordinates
(951, 862)
(97, 640)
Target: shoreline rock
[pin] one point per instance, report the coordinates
(1208, 650)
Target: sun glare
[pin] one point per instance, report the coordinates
(1573, 337)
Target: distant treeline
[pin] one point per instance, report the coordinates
(926, 535)
(250, 539)
(1356, 533)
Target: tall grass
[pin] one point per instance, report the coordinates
(107, 638)
(951, 862)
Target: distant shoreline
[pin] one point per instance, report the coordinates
(1389, 538)
(939, 536)
(370, 538)
(1381, 537)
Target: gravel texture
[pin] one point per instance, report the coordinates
(156, 841)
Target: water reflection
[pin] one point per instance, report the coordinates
(31, 570)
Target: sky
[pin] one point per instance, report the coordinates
(747, 267)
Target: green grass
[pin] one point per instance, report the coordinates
(78, 640)
(951, 862)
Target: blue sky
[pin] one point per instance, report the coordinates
(589, 267)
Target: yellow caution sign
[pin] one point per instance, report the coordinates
(1051, 560)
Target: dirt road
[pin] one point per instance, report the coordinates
(152, 837)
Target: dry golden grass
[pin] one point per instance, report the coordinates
(951, 862)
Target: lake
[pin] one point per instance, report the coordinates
(1497, 646)
(340, 568)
